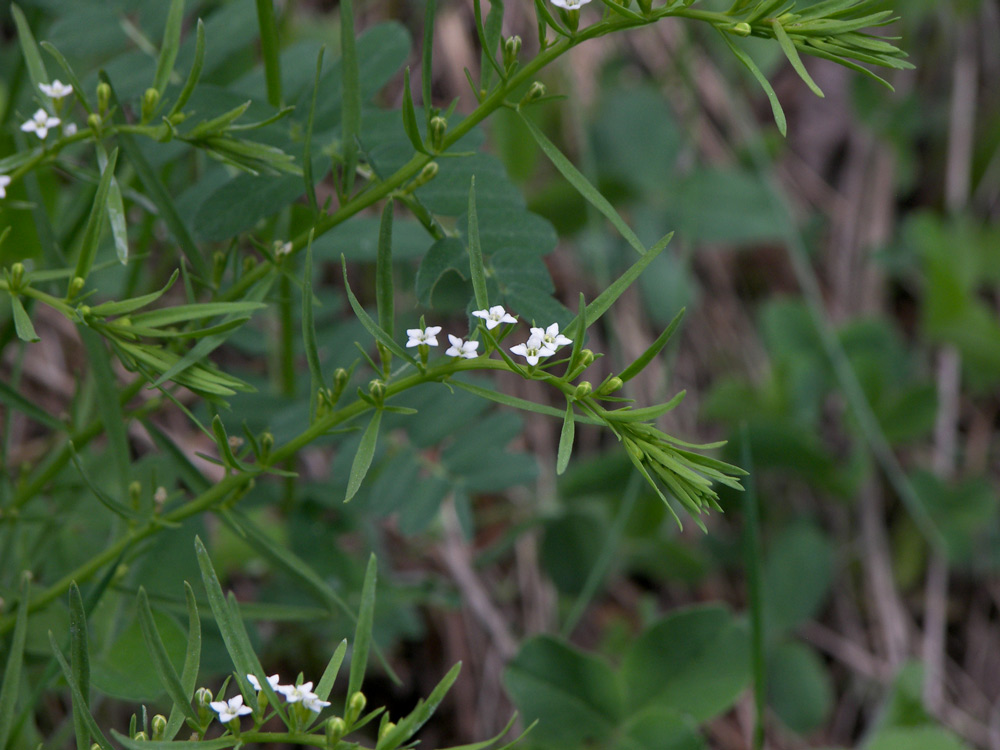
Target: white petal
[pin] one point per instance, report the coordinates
(431, 341)
(432, 330)
(219, 706)
(520, 349)
(481, 313)
(455, 340)
(252, 679)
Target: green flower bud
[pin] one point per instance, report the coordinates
(203, 696)
(159, 726)
(582, 390)
(75, 287)
(95, 746)
(386, 728)
(16, 276)
(610, 386)
(94, 122)
(134, 493)
(103, 97)
(335, 729)
(586, 357)
(740, 29)
(341, 378)
(535, 92)
(266, 445)
(428, 173)
(149, 101)
(376, 389)
(354, 707)
(511, 50)
(140, 736)
(438, 127)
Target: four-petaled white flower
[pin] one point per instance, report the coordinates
(570, 4)
(422, 336)
(40, 123)
(313, 703)
(533, 349)
(4, 182)
(551, 337)
(296, 693)
(69, 129)
(494, 316)
(272, 681)
(229, 710)
(460, 348)
(56, 90)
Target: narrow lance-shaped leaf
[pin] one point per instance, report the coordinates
(489, 38)
(411, 724)
(29, 49)
(410, 116)
(370, 325)
(743, 57)
(71, 77)
(307, 172)
(426, 63)
(383, 280)
(195, 73)
(22, 321)
(655, 348)
(582, 184)
(10, 687)
(78, 698)
(192, 660)
(92, 232)
(14, 400)
(793, 56)
(566, 439)
(309, 331)
(161, 661)
(332, 670)
(363, 630)
(476, 252)
(109, 406)
(363, 458)
(350, 122)
(168, 48)
(519, 403)
(269, 50)
(107, 309)
(110, 503)
(116, 210)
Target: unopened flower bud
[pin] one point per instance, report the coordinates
(235, 442)
(740, 29)
(335, 729)
(610, 386)
(535, 92)
(103, 97)
(376, 389)
(218, 267)
(160, 496)
(428, 173)
(149, 101)
(340, 379)
(75, 287)
(16, 276)
(282, 249)
(134, 492)
(203, 696)
(582, 390)
(511, 49)
(586, 357)
(94, 122)
(386, 728)
(140, 736)
(438, 126)
(355, 706)
(95, 746)
(266, 445)
(158, 726)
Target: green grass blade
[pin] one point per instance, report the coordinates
(427, 59)
(583, 186)
(92, 233)
(363, 458)
(743, 57)
(78, 699)
(269, 51)
(350, 122)
(195, 73)
(168, 48)
(109, 406)
(566, 439)
(753, 559)
(29, 48)
(476, 252)
(655, 348)
(10, 687)
(192, 660)
(363, 630)
(165, 670)
(793, 57)
(332, 670)
(22, 321)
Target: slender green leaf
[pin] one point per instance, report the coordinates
(71, 78)
(482, 745)
(116, 210)
(363, 458)
(655, 348)
(426, 63)
(192, 660)
(309, 331)
(543, 12)
(383, 272)
(185, 469)
(476, 252)
(363, 630)
(217, 125)
(332, 670)
(793, 56)
(108, 309)
(169, 46)
(307, 173)
(22, 321)
(78, 699)
(582, 184)
(581, 331)
(195, 73)
(269, 50)
(32, 57)
(411, 724)
(566, 439)
(519, 403)
(749, 64)
(92, 233)
(161, 661)
(623, 11)
(109, 406)
(488, 41)
(646, 413)
(370, 325)
(410, 116)
(110, 503)
(218, 744)
(350, 122)
(14, 400)
(198, 311)
(10, 688)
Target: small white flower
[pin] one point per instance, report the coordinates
(533, 349)
(296, 693)
(4, 182)
(313, 703)
(70, 129)
(40, 123)
(551, 337)
(282, 249)
(56, 90)
(494, 316)
(229, 710)
(569, 4)
(272, 681)
(423, 336)
(460, 348)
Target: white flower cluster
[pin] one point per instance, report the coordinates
(233, 708)
(42, 121)
(543, 342)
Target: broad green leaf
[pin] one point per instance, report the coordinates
(161, 661)
(22, 321)
(799, 689)
(478, 273)
(363, 458)
(350, 120)
(92, 232)
(78, 699)
(363, 631)
(10, 688)
(743, 57)
(798, 574)
(565, 440)
(169, 46)
(332, 670)
(660, 729)
(29, 49)
(109, 406)
(655, 348)
(916, 738)
(582, 184)
(574, 695)
(269, 50)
